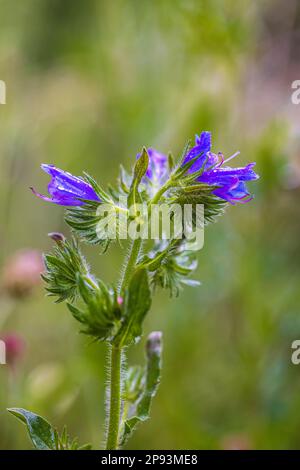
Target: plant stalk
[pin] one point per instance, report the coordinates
(115, 398)
(131, 262)
(115, 395)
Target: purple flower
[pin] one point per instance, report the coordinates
(230, 181)
(202, 147)
(66, 189)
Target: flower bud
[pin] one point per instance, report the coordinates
(22, 273)
(154, 343)
(57, 237)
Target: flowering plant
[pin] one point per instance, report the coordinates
(115, 313)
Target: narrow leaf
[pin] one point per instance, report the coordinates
(139, 171)
(152, 379)
(137, 304)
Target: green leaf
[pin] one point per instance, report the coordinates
(125, 180)
(141, 166)
(171, 162)
(173, 269)
(140, 411)
(139, 171)
(97, 188)
(200, 194)
(43, 435)
(137, 303)
(133, 384)
(154, 259)
(62, 267)
(84, 221)
(99, 311)
(40, 431)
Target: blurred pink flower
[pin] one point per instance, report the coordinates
(15, 348)
(236, 442)
(22, 272)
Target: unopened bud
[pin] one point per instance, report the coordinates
(154, 343)
(57, 237)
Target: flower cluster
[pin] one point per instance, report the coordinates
(227, 183)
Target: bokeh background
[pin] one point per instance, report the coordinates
(90, 82)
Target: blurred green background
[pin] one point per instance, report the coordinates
(90, 82)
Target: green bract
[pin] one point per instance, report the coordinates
(62, 267)
(100, 312)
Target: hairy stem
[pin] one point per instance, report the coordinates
(130, 263)
(115, 395)
(115, 398)
(160, 192)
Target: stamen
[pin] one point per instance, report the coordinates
(221, 159)
(232, 156)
